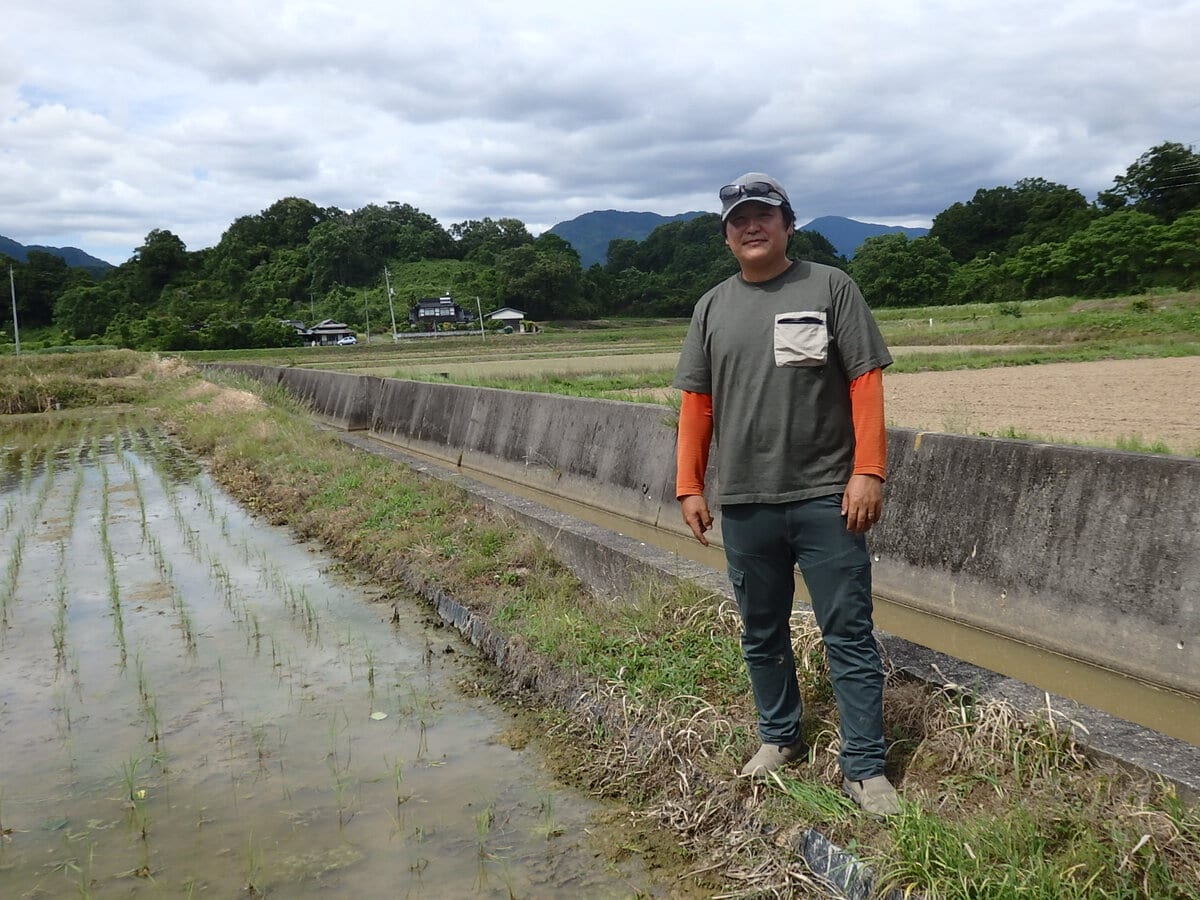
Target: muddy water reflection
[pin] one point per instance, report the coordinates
(192, 704)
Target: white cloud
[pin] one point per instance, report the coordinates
(120, 117)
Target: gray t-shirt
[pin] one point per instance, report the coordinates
(778, 358)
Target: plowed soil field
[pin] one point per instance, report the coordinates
(1139, 401)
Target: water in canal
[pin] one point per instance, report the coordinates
(193, 704)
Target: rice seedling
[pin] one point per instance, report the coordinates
(312, 625)
(483, 827)
(151, 717)
(397, 768)
(255, 633)
(369, 652)
(341, 785)
(129, 778)
(547, 827)
(143, 687)
(258, 734)
(252, 859)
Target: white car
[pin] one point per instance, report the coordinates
(347, 340)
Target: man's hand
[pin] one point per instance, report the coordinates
(696, 516)
(862, 502)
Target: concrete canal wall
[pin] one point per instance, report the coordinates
(1092, 553)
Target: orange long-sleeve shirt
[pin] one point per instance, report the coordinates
(696, 429)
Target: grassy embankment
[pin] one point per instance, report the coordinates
(634, 359)
(995, 807)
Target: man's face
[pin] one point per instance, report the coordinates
(757, 236)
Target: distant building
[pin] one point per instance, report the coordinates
(324, 332)
(430, 312)
(512, 317)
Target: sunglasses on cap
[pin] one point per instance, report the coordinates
(754, 189)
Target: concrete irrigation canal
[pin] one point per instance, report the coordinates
(1035, 572)
(193, 704)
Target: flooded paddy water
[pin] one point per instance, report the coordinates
(193, 704)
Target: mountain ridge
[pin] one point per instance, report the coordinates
(847, 235)
(72, 256)
(591, 232)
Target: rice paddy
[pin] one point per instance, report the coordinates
(194, 704)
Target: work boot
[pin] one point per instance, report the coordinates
(772, 757)
(875, 796)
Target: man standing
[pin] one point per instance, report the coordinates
(783, 366)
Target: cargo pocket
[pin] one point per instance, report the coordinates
(801, 339)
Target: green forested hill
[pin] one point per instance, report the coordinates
(299, 261)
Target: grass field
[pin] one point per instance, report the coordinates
(997, 334)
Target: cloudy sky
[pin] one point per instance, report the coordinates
(121, 116)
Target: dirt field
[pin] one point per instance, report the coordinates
(1149, 400)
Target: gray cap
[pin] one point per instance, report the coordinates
(751, 186)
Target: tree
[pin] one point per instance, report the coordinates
(251, 242)
(1178, 253)
(353, 249)
(1117, 253)
(39, 280)
(985, 279)
(1164, 182)
(1004, 219)
(543, 278)
(85, 310)
(161, 258)
(482, 241)
(892, 270)
(815, 247)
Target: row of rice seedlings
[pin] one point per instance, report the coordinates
(9, 515)
(12, 572)
(191, 537)
(130, 467)
(58, 630)
(186, 627)
(204, 492)
(28, 467)
(33, 512)
(295, 599)
(76, 489)
(110, 563)
(135, 804)
(166, 569)
(62, 699)
(339, 767)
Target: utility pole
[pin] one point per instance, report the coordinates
(367, 308)
(480, 308)
(387, 283)
(12, 289)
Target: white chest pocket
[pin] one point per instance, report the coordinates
(801, 339)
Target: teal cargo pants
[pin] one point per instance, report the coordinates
(763, 544)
